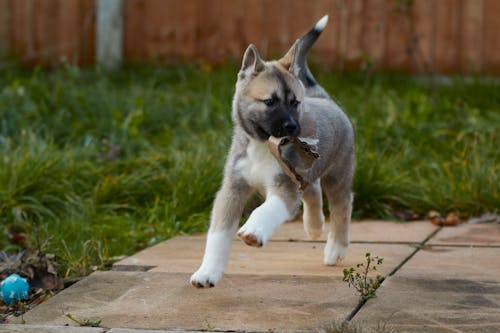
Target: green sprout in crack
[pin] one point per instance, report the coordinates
(358, 277)
(84, 322)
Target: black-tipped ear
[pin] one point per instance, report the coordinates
(288, 60)
(252, 60)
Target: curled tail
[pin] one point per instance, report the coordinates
(302, 71)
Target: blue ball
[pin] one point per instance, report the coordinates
(14, 288)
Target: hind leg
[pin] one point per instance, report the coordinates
(313, 217)
(340, 205)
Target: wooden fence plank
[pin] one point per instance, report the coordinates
(231, 30)
(134, 30)
(22, 35)
(252, 26)
(342, 35)
(68, 41)
(354, 49)
(447, 35)
(491, 35)
(301, 19)
(472, 37)
(277, 34)
(324, 49)
(186, 27)
(160, 40)
(209, 17)
(397, 37)
(422, 35)
(86, 31)
(5, 24)
(374, 31)
(45, 16)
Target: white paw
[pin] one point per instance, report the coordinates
(334, 252)
(205, 278)
(252, 235)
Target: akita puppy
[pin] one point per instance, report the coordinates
(272, 99)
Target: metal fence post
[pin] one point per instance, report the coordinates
(109, 33)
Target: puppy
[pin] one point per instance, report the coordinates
(271, 99)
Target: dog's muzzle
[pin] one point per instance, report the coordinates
(290, 128)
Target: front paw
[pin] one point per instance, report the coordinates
(251, 236)
(204, 278)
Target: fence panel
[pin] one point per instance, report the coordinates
(459, 36)
(48, 32)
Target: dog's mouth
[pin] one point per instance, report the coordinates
(262, 133)
(283, 131)
(279, 132)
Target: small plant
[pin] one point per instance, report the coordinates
(358, 277)
(84, 322)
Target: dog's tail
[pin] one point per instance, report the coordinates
(301, 69)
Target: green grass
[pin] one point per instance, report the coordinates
(420, 146)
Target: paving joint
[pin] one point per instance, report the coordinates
(352, 242)
(394, 271)
(463, 245)
(132, 268)
(420, 246)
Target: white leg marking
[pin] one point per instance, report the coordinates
(334, 250)
(264, 221)
(215, 260)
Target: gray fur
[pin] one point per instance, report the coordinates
(332, 172)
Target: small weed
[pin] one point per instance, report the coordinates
(16, 309)
(208, 326)
(358, 277)
(84, 322)
(349, 327)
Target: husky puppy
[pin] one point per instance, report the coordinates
(269, 100)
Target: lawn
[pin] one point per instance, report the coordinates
(95, 165)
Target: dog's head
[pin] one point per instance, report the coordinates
(268, 96)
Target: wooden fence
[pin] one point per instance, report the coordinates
(48, 31)
(460, 36)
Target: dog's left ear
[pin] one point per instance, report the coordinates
(288, 60)
(252, 60)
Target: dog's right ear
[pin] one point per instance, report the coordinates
(252, 60)
(289, 59)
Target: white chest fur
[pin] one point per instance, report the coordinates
(258, 167)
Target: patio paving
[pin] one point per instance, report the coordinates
(441, 289)
(437, 279)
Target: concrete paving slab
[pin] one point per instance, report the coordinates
(166, 301)
(455, 263)
(138, 330)
(15, 328)
(424, 304)
(487, 234)
(366, 231)
(183, 255)
(441, 289)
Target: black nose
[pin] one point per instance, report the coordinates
(291, 127)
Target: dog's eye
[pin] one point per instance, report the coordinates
(269, 101)
(295, 102)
